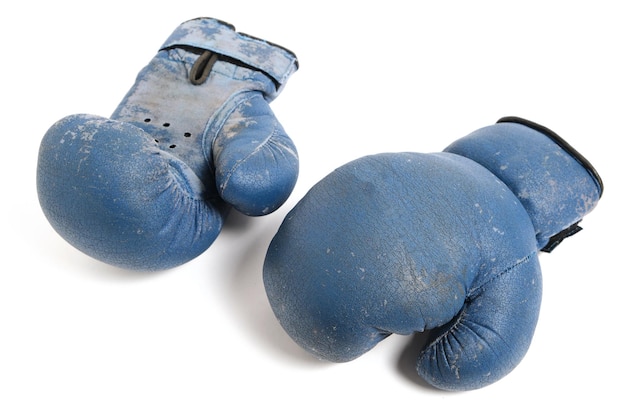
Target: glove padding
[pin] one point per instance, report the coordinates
(446, 242)
(149, 188)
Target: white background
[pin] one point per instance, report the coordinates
(80, 338)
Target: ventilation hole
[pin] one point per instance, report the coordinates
(166, 124)
(172, 146)
(147, 120)
(187, 134)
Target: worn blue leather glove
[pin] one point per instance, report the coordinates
(447, 242)
(149, 187)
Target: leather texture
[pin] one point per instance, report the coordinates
(149, 188)
(445, 243)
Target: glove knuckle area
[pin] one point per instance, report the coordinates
(107, 190)
(347, 268)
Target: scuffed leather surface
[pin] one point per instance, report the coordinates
(149, 187)
(408, 242)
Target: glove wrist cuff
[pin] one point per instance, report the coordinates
(562, 144)
(221, 38)
(556, 185)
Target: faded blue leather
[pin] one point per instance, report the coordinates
(443, 242)
(149, 188)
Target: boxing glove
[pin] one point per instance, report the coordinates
(149, 187)
(443, 242)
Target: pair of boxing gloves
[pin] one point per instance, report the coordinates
(443, 242)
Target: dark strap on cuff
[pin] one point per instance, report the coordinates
(559, 237)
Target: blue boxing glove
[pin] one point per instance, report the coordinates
(446, 242)
(149, 187)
